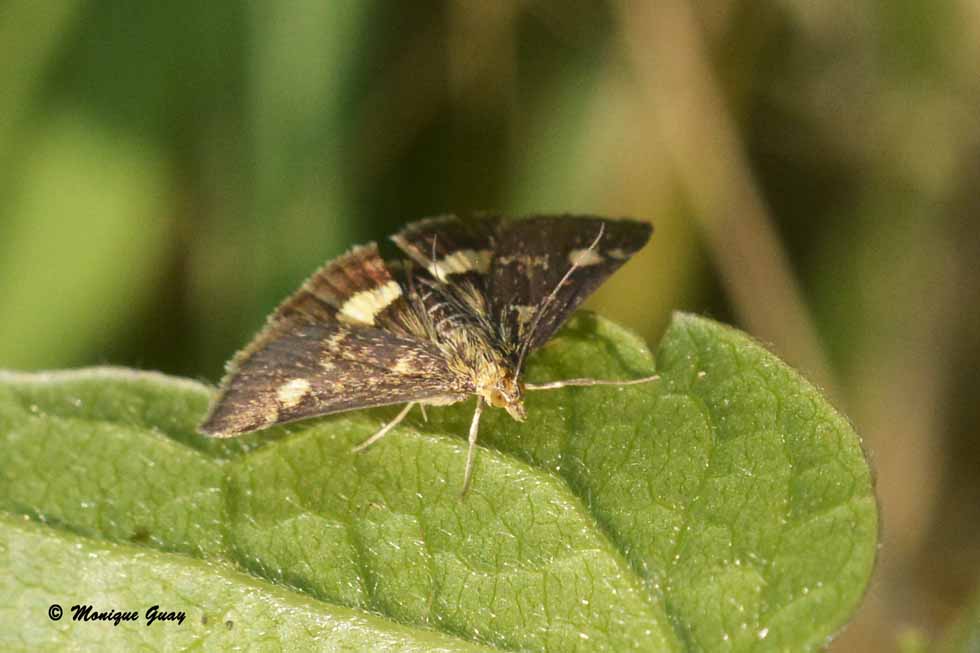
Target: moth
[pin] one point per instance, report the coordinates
(457, 316)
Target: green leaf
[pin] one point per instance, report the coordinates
(725, 507)
(223, 608)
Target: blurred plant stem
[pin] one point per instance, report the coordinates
(413, 84)
(667, 50)
(482, 57)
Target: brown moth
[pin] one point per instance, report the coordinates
(457, 317)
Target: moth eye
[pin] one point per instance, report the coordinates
(497, 399)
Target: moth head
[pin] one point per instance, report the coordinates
(507, 393)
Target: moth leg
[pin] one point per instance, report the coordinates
(424, 415)
(471, 452)
(383, 431)
(568, 382)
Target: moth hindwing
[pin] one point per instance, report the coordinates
(456, 317)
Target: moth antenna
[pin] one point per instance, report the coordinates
(587, 382)
(554, 293)
(435, 265)
(383, 431)
(471, 451)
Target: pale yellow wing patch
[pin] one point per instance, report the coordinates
(292, 392)
(582, 258)
(363, 307)
(460, 262)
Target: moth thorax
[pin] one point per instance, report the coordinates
(502, 390)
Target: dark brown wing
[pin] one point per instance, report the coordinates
(318, 369)
(451, 257)
(450, 247)
(356, 288)
(348, 338)
(534, 256)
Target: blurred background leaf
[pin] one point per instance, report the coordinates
(169, 171)
(964, 635)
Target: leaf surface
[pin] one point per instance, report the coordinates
(725, 507)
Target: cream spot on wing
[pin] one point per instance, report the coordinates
(527, 260)
(618, 254)
(404, 366)
(524, 316)
(584, 257)
(464, 260)
(292, 392)
(364, 306)
(326, 363)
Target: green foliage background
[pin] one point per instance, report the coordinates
(170, 170)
